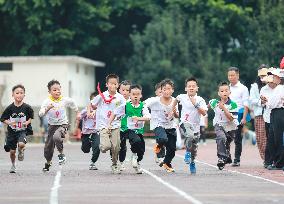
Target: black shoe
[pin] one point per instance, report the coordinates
(236, 163)
(46, 167)
(266, 165)
(228, 160)
(273, 167)
(221, 164)
(161, 164)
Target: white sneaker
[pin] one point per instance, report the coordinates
(13, 168)
(138, 169)
(122, 166)
(160, 161)
(93, 166)
(157, 159)
(62, 159)
(134, 160)
(115, 169)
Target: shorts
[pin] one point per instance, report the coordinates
(12, 140)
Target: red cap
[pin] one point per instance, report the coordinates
(282, 63)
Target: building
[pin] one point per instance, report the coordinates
(76, 75)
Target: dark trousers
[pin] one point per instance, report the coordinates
(270, 146)
(238, 143)
(123, 147)
(277, 122)
(202, 134)
(137, 143)
(91, 141)
(223, 140)
(167, 138)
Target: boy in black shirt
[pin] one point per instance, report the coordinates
(18, 117)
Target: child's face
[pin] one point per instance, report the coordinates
(191, 88)
(124, 90)
(55, 91)
(167, 91)
(112, 85)
(135, 95)
(224, 92)
(18, 94)
(158, 91)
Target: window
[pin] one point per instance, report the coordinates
(6, 66)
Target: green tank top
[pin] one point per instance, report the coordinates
(131, 111)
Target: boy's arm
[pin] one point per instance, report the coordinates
(146, 116)
(71, 104)
(45, 107)
(226, 111)
(201, 107)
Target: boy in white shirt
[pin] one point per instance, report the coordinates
(105, 104)
(225, 123)
(55, 109)
(193, 107)
(164, 124)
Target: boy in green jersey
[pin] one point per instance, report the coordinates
(225, 123)
(135, 114)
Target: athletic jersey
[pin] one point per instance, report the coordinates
(88, 124)
(190, 114)
(57, 114)
(128, 111)
(161, 114)
(104, 110)
(220, 117)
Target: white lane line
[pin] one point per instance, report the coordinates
(236, 172)
(175, 189)
(55, 187)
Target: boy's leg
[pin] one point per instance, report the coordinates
(86, 143)
(170, 146)
(58, 137)
(137, 144)
(161, 139)
(105, 143)
(115, 144)
(123, 147)
(49, 144)
(22, 140)
(221, 140)
(95, 138)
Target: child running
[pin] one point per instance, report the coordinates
(55, 109)
(164, 124)
(225, 123)
(90, 138)
(132, 124)
(105, 104)
(18, 117)
(123, 89)
(193, 106)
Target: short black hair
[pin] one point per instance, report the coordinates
(51, 83)
(18, 86)
(235, 69)
(263, 66)
(92, 95)
(223, 83)
(158, 86)
(124, 83)
(191, 79)
(112, 76)
(135, 86)
(167, 82)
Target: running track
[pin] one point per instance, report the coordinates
(74, 183)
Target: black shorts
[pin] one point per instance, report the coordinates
(12, 140)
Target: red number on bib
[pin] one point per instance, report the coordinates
(136, 124)
(19, 125)
(186, 117)
(109, 114)
(57, 114)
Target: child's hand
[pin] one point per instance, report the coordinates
(263, 99)
(91, 114)
(221, 105)
(135, 119)
(50, 106)
(12, 124)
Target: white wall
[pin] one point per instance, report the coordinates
(34, 76)
(82, 82)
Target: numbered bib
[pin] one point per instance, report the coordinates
(57, 112)
(134, 125)
(90, 124)
(19, 123)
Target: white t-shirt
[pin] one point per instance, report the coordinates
(266, 91)
(88, 124)
(57, 115)
(160, 113)
(239, 94)
(104, 110)
(190, 114)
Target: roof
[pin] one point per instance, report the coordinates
(74, 59)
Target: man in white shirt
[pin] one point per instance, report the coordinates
(239, 94)
(276, 103)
